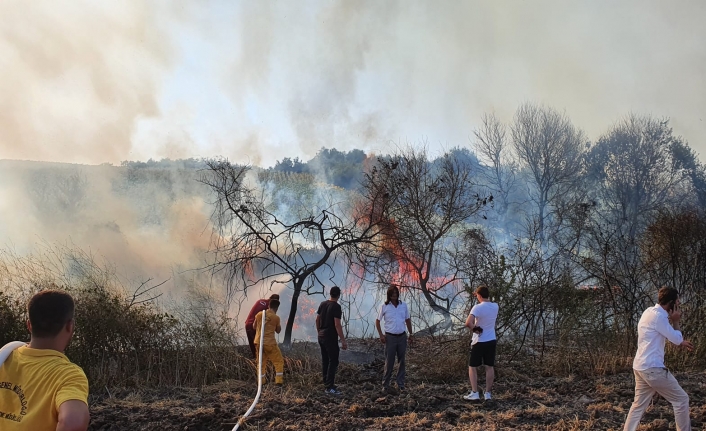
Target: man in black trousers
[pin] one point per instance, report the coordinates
(328, 326)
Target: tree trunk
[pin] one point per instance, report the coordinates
(298, 283)
(444, 324)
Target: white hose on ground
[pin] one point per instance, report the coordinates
(259, 374)
(8, 348)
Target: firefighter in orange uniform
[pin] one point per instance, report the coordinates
(270, 350)
(260, 305)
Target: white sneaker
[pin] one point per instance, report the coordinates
(487, 396)
(473, 396)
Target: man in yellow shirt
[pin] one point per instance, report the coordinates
(270, 350)
(40, 389)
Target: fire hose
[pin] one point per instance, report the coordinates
(8, 348)
(259, 374)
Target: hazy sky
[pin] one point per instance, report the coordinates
(93, 82)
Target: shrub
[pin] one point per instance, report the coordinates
(12, 320)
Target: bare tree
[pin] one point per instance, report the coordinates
(492, 144)
(687, 159)
(550, 148)
(253, 244)
(424, 202)
(634, 173)
(632, 176)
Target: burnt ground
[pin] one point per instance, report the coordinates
(523, 400)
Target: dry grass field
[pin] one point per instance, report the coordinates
(526, 397)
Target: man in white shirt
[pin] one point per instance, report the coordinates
(396, 316)
(650, 373)
(481, 320)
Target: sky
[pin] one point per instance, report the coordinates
(96, 82)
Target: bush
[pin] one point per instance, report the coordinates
(12, 320)
(121, 338)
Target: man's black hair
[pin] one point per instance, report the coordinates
(335, 292)
(49, 312)
(390, 290)
(483, 291)
(274, 304)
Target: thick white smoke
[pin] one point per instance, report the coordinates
(91, 82)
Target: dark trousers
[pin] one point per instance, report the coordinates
(329, 360)
(250, 332)
(395, 346)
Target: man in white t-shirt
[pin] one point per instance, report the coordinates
(651, 376)
(481, 321)
(396, 316)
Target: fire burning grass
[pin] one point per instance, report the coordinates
(523, 400)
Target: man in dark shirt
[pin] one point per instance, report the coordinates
(328, 326)
(260, 305)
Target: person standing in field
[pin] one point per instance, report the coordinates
(396, 316)
(328, 327)
(481, 321)
(40, 389)
(260, 305)
(651, 376)
(270, 350)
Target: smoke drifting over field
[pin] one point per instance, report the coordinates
(89, 82)
(93, 82)
(148, 226)
(139, 222)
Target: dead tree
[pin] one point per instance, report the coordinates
(423, 202)
(550, 148)
(632, 175)
(253, 244)
(500, 173)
